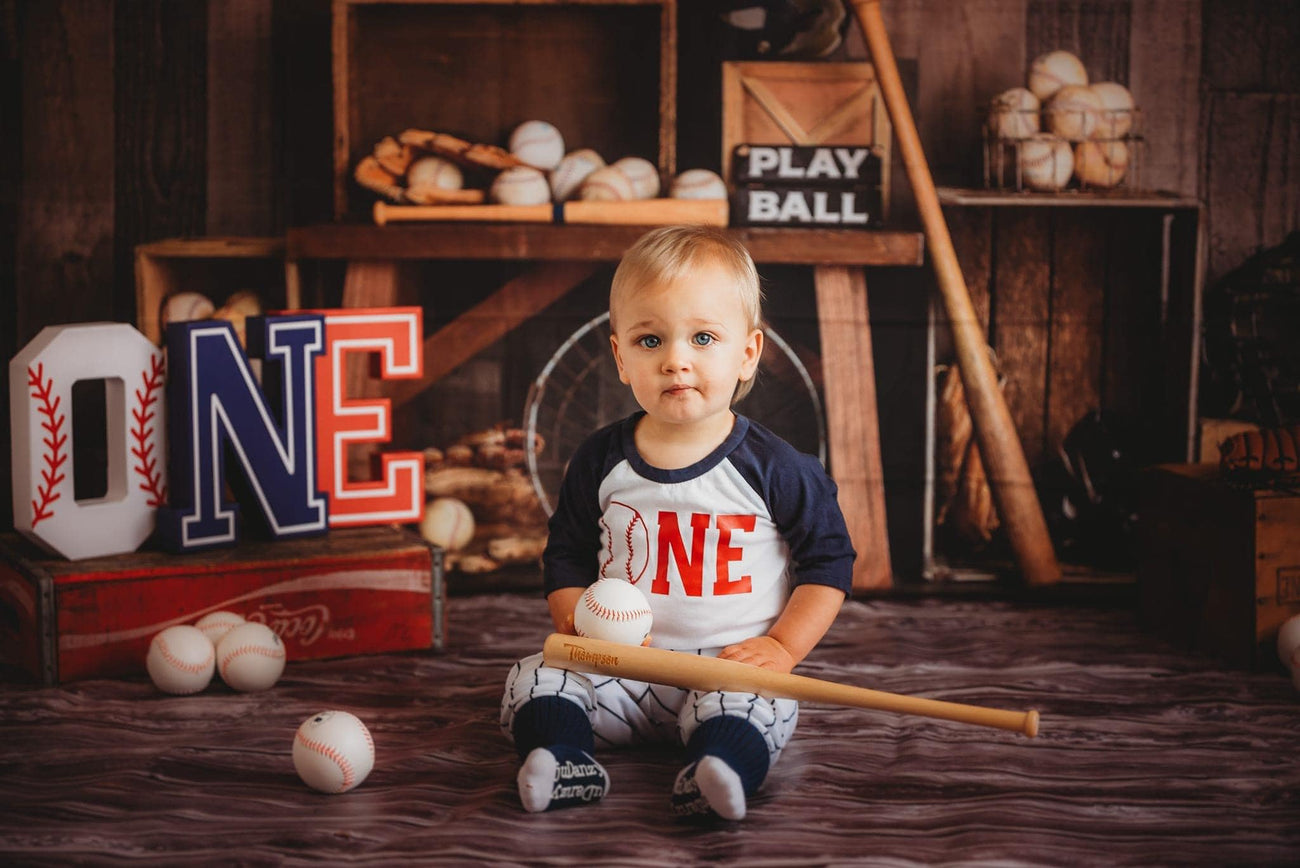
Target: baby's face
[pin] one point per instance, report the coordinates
(683, 346)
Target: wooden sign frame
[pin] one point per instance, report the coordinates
(779, 102)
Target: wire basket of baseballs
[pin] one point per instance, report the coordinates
(536, 167)
(1062, 132)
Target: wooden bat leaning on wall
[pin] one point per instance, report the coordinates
(642, 212)
(999, 444)
(674, 668)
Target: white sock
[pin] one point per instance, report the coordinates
(721, 786)
(537, 779)
(559, 777)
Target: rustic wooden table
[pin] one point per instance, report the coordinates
(564, 256)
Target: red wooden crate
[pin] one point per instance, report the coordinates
(354, 591)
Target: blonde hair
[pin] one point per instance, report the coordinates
(663, 255)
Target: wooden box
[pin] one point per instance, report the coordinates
(778, 103)
(604, 72)
(354, 591)
(1220, 565)
(216, 267)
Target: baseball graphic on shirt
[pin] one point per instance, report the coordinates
(626, 543)
(613, 610)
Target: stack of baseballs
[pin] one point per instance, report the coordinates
(248, 655)
(554, 174)
(1062, 127)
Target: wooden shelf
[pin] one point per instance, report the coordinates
(545, 242)
(1065, 198)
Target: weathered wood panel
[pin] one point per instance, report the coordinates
(1077, 312)
(1097, 31)
(1022, 289)
(1164, 76)
(304, 113)
(969, 53)
(65, 240)
(1252, 45)
(241, 166)
(160, 141)
(1252, 174)
(1132, 380)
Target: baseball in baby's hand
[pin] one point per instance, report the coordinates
(613, 610)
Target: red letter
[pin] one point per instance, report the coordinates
(394, 335)
(728, 553)
(689, 567)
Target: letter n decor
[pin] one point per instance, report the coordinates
(218, 414)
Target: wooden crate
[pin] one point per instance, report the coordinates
(602, 71)
(216, 267)
(355, 591)
(1220, 565)
(777, 103)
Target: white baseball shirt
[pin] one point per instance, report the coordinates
(716, 547)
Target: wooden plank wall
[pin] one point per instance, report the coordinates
(127, 122)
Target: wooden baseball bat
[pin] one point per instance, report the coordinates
(693, 672)
(642, 212)
(1004, 460)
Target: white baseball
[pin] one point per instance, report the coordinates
(606, 185)
(180, 660)
(568, 176)
(447, 522)
(1045, 162)
(185, 307)
(1054, 70)
(435, 172)
(1073, 112)
(1100, 164)
(643, 174)
(538, 143)
(698, 184)
(1117, 109)
(250, 657)
(520, 185)
(333, 751)
(613, 610)
(1013, 114)
(1288, 643)
(215, 625)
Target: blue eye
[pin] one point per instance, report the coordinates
(703, 339)
(650, 342)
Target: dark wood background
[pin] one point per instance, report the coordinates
(130, 121)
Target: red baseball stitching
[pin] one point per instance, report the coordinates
(610, 559)
(329, 752)
(607, 613)
(627, 567)
(54, 457)
(148, 466)
(178, 662)
(249, 649)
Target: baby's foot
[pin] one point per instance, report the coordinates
(560, 776)
(709, 785)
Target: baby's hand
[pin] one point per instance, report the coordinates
(761, 651)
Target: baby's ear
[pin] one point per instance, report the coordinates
(753, 352)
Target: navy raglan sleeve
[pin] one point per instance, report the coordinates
(804, 505)
(806, 508)
(572, 554)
